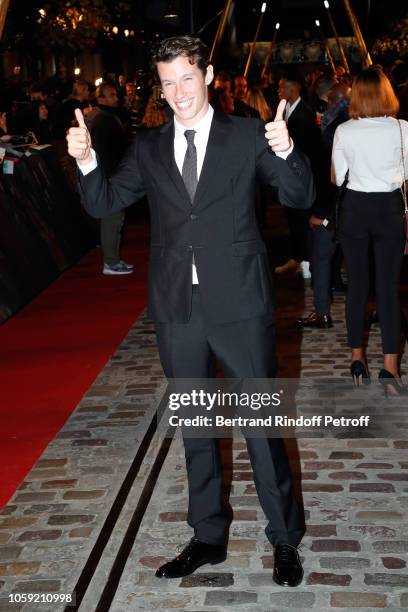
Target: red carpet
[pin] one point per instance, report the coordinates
(52, 351)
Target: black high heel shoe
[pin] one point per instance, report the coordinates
(358, 370)
(391, 385)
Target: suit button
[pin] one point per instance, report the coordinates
(192, 217)
(294, 165)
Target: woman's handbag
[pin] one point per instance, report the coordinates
(404, 188)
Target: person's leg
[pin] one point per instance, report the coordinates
(298, 223)
(354, 239)
(246, 350)
(337, 284)
(389, 240)
(322, 253)
(322, 249)
(185, 353)
(111, 227)
(119, 228)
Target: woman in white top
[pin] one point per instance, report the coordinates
(368, 149)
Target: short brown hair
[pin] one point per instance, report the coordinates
(186, 46)
(372, 95)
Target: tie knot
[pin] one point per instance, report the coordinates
(189, 134)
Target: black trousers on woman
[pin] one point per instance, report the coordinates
(375, 218)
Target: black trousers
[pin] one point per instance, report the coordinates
(298, 223)
(111, 228)
(375, 218)
(244, 349)
(323, 247)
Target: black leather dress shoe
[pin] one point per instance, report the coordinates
(287, 569)
(194, 555)
(315, 320)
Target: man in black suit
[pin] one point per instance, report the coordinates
(109, 141)
(325, 251)
(209, 285)
(302, 127)
(106, 129)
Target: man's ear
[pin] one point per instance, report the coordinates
(209, 75)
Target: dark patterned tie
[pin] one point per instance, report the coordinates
(189, 170)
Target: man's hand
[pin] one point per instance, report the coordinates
(79, 140)
(315, 222)
(277, 133)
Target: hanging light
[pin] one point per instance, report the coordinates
(171, 11)
(317, 22)
(77, 71)
(115, 29)
(277, 26)
(252, 45)
(126, 33)
(98, 81)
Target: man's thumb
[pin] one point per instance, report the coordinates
(80, 118)
(280, 111)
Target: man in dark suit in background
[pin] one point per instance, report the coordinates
(302, 127)
(209, 283)
(109, 141)
(325, 251)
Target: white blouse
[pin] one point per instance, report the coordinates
(370, 149)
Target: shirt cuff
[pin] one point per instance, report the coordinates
(285, 154)
(87, 168)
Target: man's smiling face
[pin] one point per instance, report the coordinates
(185, 88)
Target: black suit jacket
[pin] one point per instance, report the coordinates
(108, 136)
(304, 131)
(220, 229)
(306, 135)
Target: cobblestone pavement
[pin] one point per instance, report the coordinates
(90, 515)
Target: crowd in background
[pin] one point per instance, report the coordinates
(317, 104)
(46, 108)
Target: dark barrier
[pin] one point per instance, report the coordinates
(43, 228)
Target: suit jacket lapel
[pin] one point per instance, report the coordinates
(299, 110)
(216, 148)
(166, 150)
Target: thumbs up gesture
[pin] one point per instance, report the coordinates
(276, 132)
(79, 140)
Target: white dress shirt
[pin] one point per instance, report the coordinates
(370, 149)
(289, 108)
(202, 129)
(202, 132)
